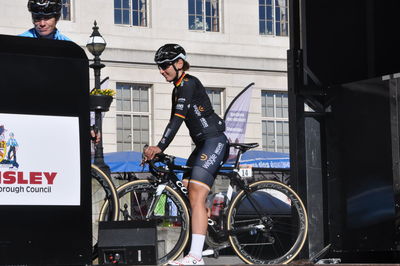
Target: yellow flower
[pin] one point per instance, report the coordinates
(108, 92)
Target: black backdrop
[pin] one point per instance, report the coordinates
(345, 152)
(46, 77)
(346, 41)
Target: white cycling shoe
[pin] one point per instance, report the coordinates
(187, 260)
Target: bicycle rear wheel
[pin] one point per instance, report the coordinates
(267, 225)
(103, 189)
(171, 214)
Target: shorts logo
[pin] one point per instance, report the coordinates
(203, 157)
(210, 161)
(219, 148)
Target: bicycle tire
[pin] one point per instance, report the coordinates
(103, 189)
(282, 230)
(132, 196)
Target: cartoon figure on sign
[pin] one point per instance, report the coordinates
(12, 152)
(3, 144)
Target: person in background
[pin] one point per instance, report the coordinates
(191, 104)
(45, 15)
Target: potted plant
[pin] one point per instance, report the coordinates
(101, 99)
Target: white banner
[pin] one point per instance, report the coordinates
(39, 160)
(236, 119)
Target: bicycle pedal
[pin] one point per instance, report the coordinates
(208, 253)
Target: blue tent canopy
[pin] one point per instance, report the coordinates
(266, 159)
(129, 161)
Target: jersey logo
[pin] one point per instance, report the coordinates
(204, 122)
(196, 110)
(179, 115)
(201, 108)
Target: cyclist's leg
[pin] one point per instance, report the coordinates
(206, 160)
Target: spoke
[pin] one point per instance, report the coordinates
(138, 203)
(256, 244)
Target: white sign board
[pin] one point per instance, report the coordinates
(39, 160)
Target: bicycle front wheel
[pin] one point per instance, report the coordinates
(171, 214)
(267, 224)
(103, 190)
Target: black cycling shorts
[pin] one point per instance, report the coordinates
(206, 159)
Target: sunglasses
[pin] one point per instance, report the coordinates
(165, 65)
(41, 17)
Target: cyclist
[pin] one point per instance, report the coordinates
(190, 103)
(45, 15)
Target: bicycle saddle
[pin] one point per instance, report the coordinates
(243, 146)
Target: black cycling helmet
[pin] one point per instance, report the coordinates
(45, 7)
(169, 52)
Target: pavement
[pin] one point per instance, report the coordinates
(223, 260)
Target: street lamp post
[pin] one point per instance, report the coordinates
(96, 45)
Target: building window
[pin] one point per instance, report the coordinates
(204, 15)
(66, 10)
(130, 12)
(275, 121)
(273, 17)
(215, 96)
(133, 116)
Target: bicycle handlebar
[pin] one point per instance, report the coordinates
(163, 158)
(166, 160)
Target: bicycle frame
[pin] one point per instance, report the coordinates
(172, 179)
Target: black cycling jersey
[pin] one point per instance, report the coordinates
(190, 103)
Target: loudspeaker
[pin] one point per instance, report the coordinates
(128, 242)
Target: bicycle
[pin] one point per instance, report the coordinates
(103, 190)
(273, 232)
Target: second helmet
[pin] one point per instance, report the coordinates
(169, 52)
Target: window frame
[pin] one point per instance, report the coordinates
(276, 120)
(273, 20)
(70, 11)
(222, 101)
(132, 113)
(204, 16)
(146, 13)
